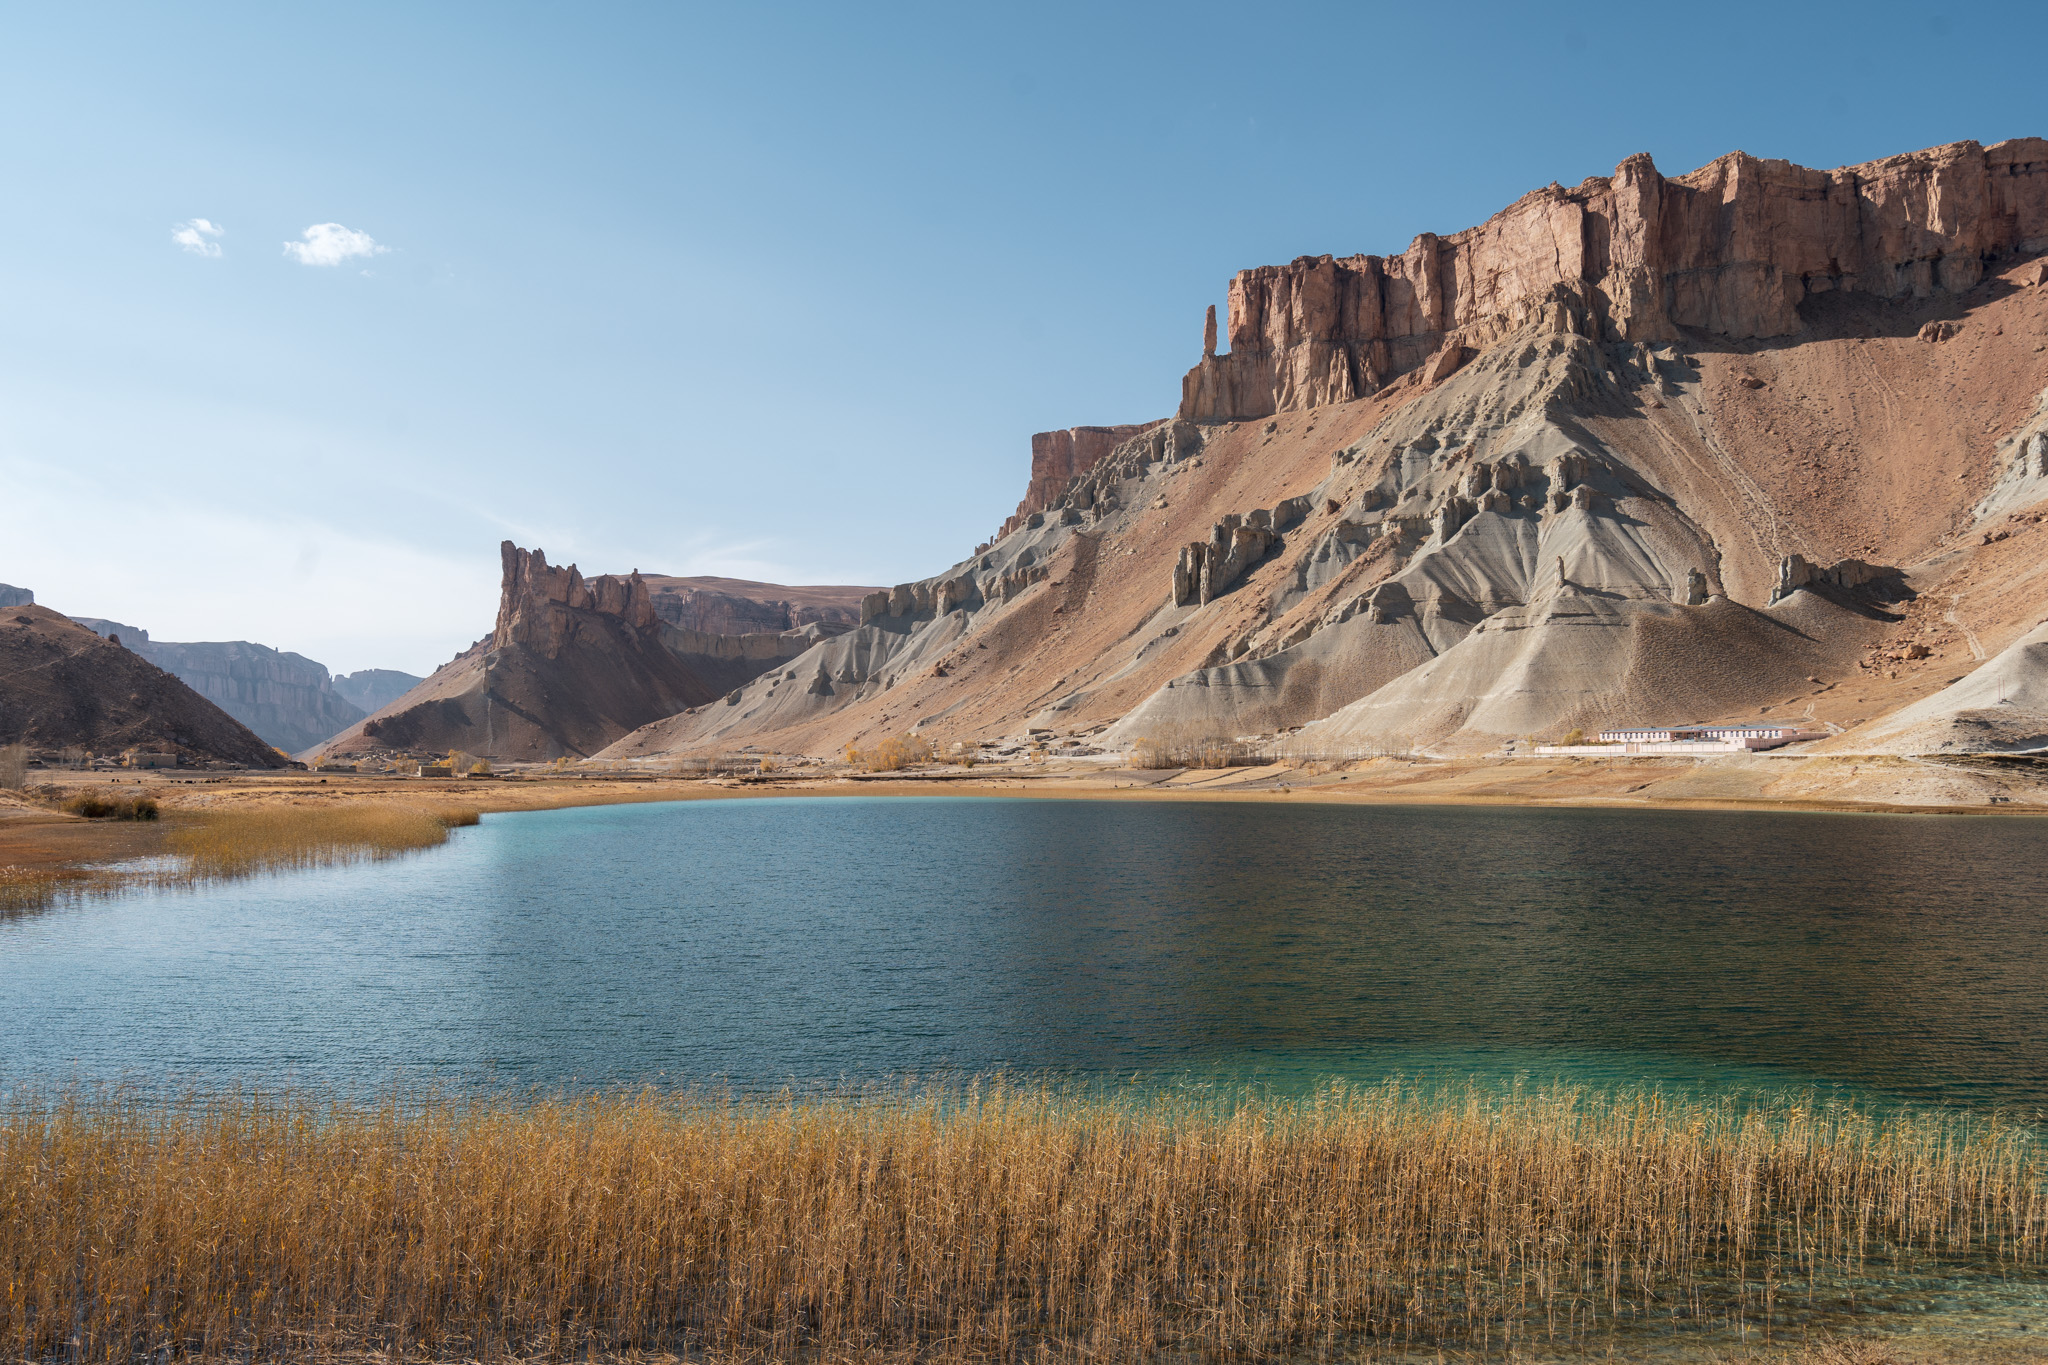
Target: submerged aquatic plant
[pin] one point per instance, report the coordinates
(990, 1220)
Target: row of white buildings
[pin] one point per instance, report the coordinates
(1691, 739)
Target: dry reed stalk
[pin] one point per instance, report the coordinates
(32, 888)
(283, 838)
(990, 1221)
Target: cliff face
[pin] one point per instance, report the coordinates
(1753, 441)
(372, 689)
(571, 664)
(1058, 457)
(1732, 249)
(737, 606)
(288, 699)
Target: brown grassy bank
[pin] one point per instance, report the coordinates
(211, 845)
(991, 1222)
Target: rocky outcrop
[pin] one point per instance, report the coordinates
(1060, 457)
(543, 607)
(1209, 568)
(571, 664)
(1733, 249)
(11, 596)
(64, 687)
(737, 606)
(1878, 582)
(116, 631)
(931, 597)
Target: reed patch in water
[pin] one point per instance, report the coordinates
(986, 1221)
(255, 839)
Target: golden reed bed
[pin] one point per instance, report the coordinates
(253, 839)
(990, 1221)
(242, 841)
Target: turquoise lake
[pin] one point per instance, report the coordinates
(760, 942)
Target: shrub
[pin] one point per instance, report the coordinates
(893, 755)
(13, 766)
(112, 806)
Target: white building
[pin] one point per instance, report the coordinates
(1689, 739)
(1778, 732)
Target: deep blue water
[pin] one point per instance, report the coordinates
(760, 941)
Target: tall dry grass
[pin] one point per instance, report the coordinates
(989, 1221)
(255, 839)
(237, 842)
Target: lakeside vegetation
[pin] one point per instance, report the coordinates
(985, 1221)
(239, 841)
(280, 838)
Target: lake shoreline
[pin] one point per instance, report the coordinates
(34, 836)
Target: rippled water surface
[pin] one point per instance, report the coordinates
(815, 939)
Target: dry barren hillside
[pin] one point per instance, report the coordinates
(1754, 440)
(63, 687)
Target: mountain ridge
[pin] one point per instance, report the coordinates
(1756, 440)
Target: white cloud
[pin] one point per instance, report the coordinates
(331, 244)
(197, 236)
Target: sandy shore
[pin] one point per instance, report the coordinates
(35, 835)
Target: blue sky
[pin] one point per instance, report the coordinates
(770, 291)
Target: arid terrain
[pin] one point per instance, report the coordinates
(1752, 442)
(64, 688)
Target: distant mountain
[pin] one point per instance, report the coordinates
(11, 596)
(100, 625)
(574, 664)
(62, 686)
(372, 689)
(287, 699)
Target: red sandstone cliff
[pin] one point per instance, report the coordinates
(572, 664)
(1733, 248)
(1059, 457)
